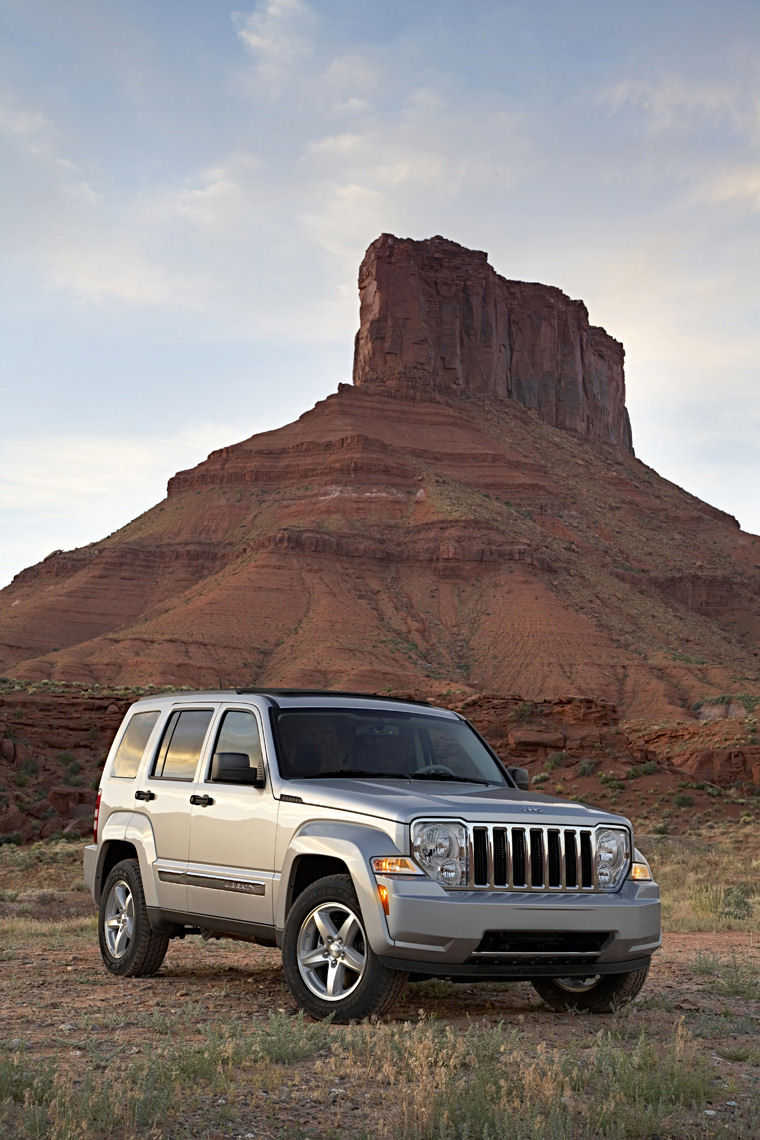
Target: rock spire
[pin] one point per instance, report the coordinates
(437, 318)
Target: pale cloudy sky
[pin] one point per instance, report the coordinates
(188, 189)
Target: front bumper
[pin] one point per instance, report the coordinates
(519, 934)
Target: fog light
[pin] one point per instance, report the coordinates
(450, 872)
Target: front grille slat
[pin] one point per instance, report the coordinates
(538, 858)
(520, 880)
(500, 874)
(561, 859)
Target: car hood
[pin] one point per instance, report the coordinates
(405, 800)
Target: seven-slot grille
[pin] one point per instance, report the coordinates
(523, 858)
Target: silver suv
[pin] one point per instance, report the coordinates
(373, 840)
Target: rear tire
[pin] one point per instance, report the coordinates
(330, 967)
(599, 993)
(128, 945)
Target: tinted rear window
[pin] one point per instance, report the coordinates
(181, 744)
(130, 751)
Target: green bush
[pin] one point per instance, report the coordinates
(554, 760)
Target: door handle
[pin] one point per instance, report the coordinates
(201, 801)
(145, 795)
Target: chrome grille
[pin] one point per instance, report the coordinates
(515, 857)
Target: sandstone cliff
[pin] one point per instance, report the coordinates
(435, 317)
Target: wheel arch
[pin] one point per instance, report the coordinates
(307, 868)
(113, 852)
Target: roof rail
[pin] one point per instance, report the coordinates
(274, 693)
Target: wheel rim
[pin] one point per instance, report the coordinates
(119, 919)
(332, 951)
(577, 985)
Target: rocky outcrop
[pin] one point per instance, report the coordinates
(436, 318)
(52, 748)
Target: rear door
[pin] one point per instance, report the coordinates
(169, 788)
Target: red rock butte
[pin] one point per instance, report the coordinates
(435, 317)
(468, 516)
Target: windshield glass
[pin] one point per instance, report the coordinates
(375, 743)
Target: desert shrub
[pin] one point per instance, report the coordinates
(554, 760)
(732, 976)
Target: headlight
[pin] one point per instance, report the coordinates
(440, 848)
(613, 854)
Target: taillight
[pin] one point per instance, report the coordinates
(95, 818)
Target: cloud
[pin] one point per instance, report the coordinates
(20, 123)
(673, 101)
(276, 34)
(740, 184)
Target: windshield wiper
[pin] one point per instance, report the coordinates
(341, 773)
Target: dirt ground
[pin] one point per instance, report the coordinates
(58, 1003)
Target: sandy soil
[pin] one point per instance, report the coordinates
(58, 1002)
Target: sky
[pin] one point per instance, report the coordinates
(188, 189)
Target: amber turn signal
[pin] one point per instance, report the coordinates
(641, 872)
(394, 865)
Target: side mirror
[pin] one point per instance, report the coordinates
(235, 768)
(521, 777)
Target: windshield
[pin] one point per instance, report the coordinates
(375, 743)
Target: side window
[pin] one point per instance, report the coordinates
(239, 745)
(181, 745)
(130, 750)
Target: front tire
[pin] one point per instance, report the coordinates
(598, 993)
(330, 967)
(128, 945)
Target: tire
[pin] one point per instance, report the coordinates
(128, 945)
(600, 993)
(330, 967)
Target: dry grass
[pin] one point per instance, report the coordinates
(709, 885)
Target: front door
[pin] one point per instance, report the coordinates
(230, 871)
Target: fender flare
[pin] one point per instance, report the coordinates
(354, 845)
(135, 829)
